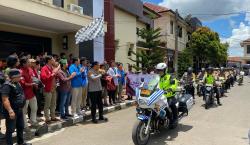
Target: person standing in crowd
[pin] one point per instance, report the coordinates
(104, 85)
(35, 66)
(76, 84)
(12, 62)
(95, 92)
(121, 81)
(129, 89)
(84, 67)
(28, 85)
(48, 79)
(113, 72)
(2, 80)
(13, 102)
(64, 89)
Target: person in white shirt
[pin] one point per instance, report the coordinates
(113, 72)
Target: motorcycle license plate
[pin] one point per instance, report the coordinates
(145, 92)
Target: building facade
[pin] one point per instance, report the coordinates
(124, 19)
(246, 45)
(172, 25)
(38, 26)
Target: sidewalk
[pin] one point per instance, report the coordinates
(44, 128)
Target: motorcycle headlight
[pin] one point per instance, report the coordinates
(142, 102)
(209, 88)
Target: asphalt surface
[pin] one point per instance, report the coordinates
(223, 125)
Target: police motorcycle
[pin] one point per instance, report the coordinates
(209, 95)
(200, 85)
(219, 84)
(152, 110)
(240, 77)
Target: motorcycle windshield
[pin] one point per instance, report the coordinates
(150, 85)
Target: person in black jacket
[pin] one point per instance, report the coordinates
(13, 101)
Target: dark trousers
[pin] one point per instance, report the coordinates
(218, 93)
(96, 100)
(190, 90)
(40, 101)
(11, 124)
(172, 104)
(111, 95)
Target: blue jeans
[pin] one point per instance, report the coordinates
(64, 103)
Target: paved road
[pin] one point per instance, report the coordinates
(223, 125)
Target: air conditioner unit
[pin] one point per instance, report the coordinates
(75, 8)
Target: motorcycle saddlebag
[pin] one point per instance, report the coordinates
(185, 102)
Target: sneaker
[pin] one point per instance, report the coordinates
(103, 119)
(68, 115)
(64, 117)
(95, 121)
(76, 116)
(55, 119)
(27, 143)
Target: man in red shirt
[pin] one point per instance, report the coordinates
(27, 85)
(48, 74)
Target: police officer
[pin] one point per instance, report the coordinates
(188, 78)
(201, 78)
(168, 84)
(211, 81)
(13, 101)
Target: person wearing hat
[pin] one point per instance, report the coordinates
(13, 102)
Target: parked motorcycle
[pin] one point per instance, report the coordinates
(152, 111)
(209, 95)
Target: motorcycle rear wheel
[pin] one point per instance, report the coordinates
(138, 135)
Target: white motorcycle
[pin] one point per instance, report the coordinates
(154, 113)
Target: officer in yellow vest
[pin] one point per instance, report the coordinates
(169, 84)
(210, 80)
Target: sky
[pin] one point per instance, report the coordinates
(230, 18)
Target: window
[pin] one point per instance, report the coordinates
(248, 49)
(180, 31)
(171, 27)
(59, 3)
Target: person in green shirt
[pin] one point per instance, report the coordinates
(169, 84)
(210, 80)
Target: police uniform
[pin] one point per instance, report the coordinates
(15, 95)
(166, 83)
(211, 80)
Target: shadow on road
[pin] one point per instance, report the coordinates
(166, 136)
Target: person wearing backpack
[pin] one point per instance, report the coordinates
(13, 101)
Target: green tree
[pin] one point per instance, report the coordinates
(147, 59)
(206, 47)
(185, 60)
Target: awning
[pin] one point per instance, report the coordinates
(41, 16)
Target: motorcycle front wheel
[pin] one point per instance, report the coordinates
(138, 134)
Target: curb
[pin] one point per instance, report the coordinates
(44, 129)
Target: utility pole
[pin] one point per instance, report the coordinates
(176, 42)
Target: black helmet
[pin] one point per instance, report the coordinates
(190, 70)
(209, 69)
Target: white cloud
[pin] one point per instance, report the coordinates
(207, 7)
(238, 35)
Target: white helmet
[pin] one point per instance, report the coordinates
(161, 66)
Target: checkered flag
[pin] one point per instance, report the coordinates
(93, 30)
